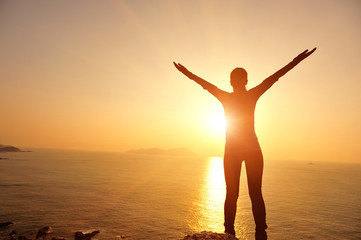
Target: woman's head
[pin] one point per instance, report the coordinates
(239, 78)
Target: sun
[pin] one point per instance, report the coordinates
(215, 121)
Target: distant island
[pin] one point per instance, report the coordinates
(7, 148)
(159, 151)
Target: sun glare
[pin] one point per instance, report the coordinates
(216, 122)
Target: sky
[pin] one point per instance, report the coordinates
(98, 75)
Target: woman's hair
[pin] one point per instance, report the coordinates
(239, 74)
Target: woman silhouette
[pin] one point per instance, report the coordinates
(241, 140)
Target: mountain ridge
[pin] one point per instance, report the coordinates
(158, 151)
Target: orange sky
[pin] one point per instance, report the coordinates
(98, 75)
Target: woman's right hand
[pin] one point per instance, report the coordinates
(303, 55)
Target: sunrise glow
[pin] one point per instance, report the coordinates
(99, 76)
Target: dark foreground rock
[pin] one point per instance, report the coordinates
(210, 236)
(6, 224)
(85, 236)
(43, 234)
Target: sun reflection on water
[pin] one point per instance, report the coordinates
(213, 196)
(210, 215)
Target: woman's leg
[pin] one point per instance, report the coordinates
(232, 171)
(254, 168)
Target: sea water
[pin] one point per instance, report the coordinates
(163, 197)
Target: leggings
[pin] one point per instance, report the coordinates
(232, 169)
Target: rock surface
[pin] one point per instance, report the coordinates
(210, 236)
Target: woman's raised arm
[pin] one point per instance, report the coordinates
(292, 64)
(268, 82)
(218, 93)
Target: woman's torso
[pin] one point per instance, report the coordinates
(239, 111)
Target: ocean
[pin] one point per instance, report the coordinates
(166, 197)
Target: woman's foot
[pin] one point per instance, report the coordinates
(230, 231)
(261, 235)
